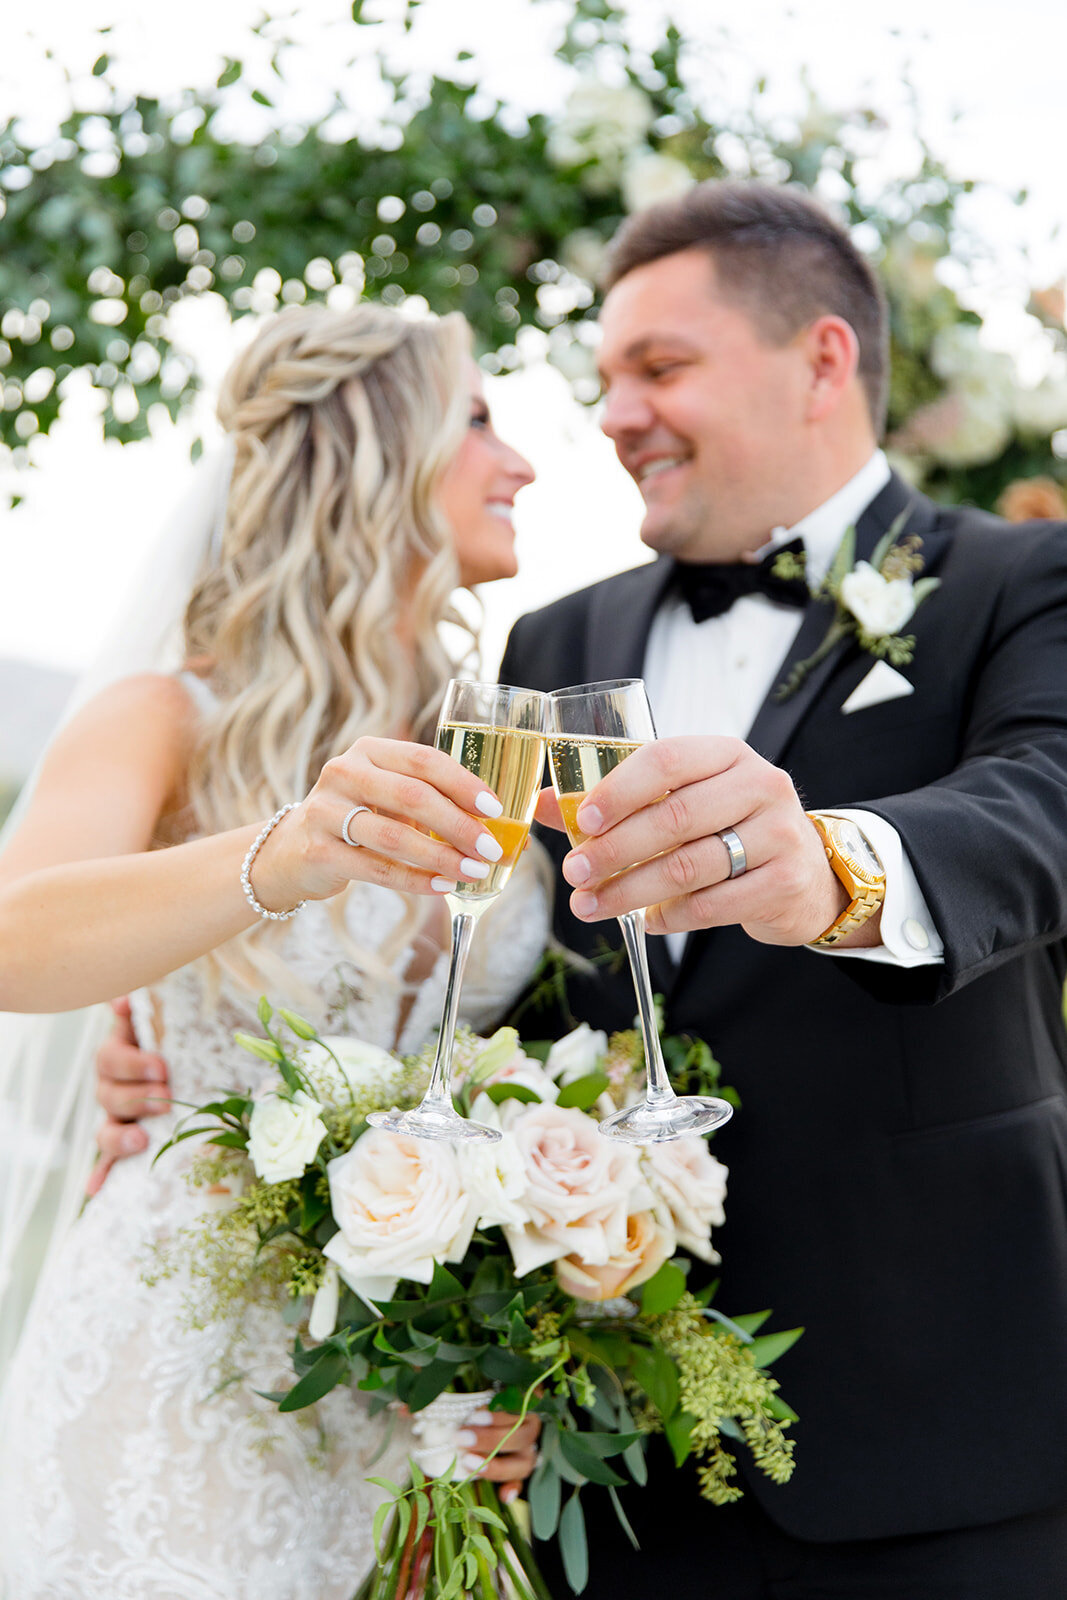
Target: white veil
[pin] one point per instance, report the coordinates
(47, 1109)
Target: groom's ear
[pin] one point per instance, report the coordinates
(833, 354)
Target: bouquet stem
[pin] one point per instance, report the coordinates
(462, 1545)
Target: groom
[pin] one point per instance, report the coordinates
(898, 1168)
(886, 996)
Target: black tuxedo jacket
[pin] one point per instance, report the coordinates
(898, 1168)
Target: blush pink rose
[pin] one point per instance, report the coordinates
(579, 1191)
(688, 1181)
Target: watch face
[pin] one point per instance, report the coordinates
(854, 846)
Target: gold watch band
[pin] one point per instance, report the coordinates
(855, 914)
(866, 891)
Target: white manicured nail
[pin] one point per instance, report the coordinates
(489, 847)
(465, 1437)
(471, 1463)
(442, 885)
(480, 1418)
(489, 805)
(474, 869)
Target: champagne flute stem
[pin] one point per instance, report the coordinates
(438, 1092)
(633, 933)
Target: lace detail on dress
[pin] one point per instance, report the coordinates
(127, 1473)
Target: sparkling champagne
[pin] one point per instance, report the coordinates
(510, 761)
(578, 764)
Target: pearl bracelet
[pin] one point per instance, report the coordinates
(246, 869)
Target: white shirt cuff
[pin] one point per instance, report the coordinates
(909, 936)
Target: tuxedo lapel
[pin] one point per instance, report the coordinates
(778, 719)
(620, 617)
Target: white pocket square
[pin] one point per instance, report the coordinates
(883, 682)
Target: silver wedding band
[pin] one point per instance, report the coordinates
(347, 837)
(736, 851)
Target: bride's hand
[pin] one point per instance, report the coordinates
(424, 829)
(516, 1460)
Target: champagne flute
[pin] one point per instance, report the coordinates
(497, 733)
(591, 729)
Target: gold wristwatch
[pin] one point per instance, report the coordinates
(856, 863)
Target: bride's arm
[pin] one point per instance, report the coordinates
(88, 910)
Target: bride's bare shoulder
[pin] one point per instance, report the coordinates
(153, 705)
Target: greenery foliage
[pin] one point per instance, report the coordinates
(463, 201)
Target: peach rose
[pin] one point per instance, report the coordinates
(649, 1243)
(688, 1181)
(1033, 500)
(579, 1191)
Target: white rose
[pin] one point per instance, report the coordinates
(400, 1204)
(495, 1174)
(880, 605)
(580, 1189)
(959, 357)
(982, 429)
(359, 1066)
(600, 123)
(577, 1054)
(1041, 410)
(686, 1178)
(648, 177)
(583, 253)
(283, 1136)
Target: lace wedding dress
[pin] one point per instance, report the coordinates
(131, 1466)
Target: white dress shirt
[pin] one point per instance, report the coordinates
(713, 676)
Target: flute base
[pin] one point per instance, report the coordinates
(674, 1117)
(434, 1122)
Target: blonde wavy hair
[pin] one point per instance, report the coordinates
(331, 549)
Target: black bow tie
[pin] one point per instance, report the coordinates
(711, 587)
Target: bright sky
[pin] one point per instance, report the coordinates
(991, 103)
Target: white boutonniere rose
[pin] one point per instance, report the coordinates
(284, 1135)
(880, 605)
(872, 599)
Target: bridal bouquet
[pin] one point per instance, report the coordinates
(545, 1273)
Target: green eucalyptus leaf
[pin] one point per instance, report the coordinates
(573, 1544)
(499, 1092)
(658, 1377)
(678, 1432)
(583, 1092)
(587, 1462)
(330, 1369)
(544, 1499)
(769, 1346)
(664, 1289)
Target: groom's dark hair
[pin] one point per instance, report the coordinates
(778, 255)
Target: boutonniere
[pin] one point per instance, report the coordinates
(872, 599)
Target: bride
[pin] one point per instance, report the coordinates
(367, 482)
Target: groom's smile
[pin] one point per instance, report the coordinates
(705, 412)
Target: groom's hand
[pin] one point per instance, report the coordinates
(130, 1084)
(653, 826)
